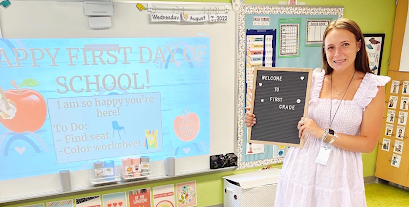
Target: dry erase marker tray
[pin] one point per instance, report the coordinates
(134, 176)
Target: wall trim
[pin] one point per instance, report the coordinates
(218, 205)
(369, 180)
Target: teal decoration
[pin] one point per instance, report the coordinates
(369, 46)
(5, 3)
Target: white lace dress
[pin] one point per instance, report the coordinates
(303, 183)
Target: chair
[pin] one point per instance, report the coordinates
(115, 126)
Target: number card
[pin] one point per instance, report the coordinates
(280, 99)
(218, 17)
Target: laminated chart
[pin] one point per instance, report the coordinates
(315, 31)
(289, 37)
(260, 51)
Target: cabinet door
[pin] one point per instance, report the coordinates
(392, 163)
(398, 34)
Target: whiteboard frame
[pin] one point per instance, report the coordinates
(50, 183)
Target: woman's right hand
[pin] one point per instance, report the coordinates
(249, 118)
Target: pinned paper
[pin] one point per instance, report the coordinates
(88, 201)
(62, 203)
(398, 147)
(402, 118)
(405, 90)
(388, 129)
(390, 116)
(195, 17)
(395, 160)
(253, 148)
(35, 205)
(164, 195)
(218, 17)
(404, 101)
(186, 194)
(385, 144)
(395, 86)
(140, 197)
(400, 132)
(393, 101)
(115, 200)
(164, 17)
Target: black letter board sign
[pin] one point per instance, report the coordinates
(281, 98)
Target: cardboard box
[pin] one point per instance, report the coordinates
(253, 189)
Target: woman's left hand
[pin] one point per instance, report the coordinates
(307, 125)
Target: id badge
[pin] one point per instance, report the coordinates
(323, 155)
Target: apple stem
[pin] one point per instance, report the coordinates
(13, 82)
(186, 111)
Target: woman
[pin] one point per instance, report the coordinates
(344, 120)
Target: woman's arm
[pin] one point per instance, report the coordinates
(370, 127)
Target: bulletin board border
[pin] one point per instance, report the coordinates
(241, 72)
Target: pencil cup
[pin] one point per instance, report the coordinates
(144, 158)
(65, 179)
(170, 166)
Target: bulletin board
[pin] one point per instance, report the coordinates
(59, 25)
(296, 45)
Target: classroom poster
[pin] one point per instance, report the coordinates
(62, 203)
(115, 200)
(164, 196)
(34, 205)
(186, 194)
(140, 197)
(65, 103)
(91, 201)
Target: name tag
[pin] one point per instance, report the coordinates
(323, 155)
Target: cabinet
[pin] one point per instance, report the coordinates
(392, 163)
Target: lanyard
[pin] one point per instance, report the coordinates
(330, 110)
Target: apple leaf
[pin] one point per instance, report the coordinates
(29, 82)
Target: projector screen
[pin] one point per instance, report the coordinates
(74, 101)
(73, 95)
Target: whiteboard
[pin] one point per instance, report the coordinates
(64, 19)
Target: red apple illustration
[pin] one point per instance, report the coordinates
(31, 108)
(187, 126)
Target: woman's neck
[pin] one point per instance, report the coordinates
(343, 77)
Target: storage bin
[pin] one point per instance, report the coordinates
(253, 189)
